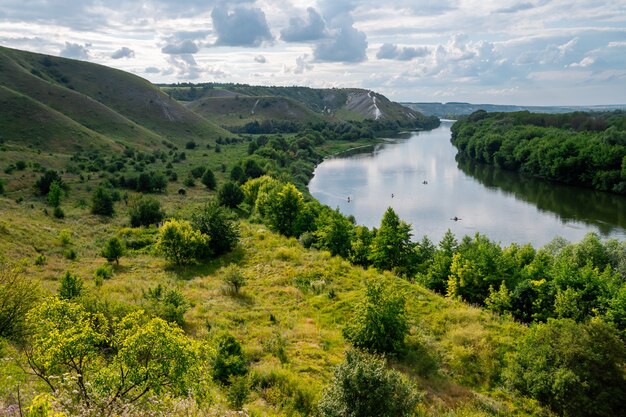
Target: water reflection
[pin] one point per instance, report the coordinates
(504, 205)
(605, 211)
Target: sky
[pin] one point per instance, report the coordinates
(526, 52)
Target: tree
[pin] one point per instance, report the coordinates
(168, 303)
(45, 181)
(113, 250)
(233, 278)
(575, 369)
(284, 210)
(362, 386)
(102, 202)
(145, 211)
(220, 225)
(334, 233)
(379, 324)
(229, 358)
(55, 194)
(392, 248)
(230, 194)
(71, 286)
(208, 179)
(180, 243)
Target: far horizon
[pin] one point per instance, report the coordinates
(537, 53)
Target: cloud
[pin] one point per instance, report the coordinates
(346, 44)
(300, 30)
(518, 7)
(260, 59)
(240, 26)
(390, 51)
(76, 51)
(178, 48)
(152, 70)
(186, 68)
(123, 52)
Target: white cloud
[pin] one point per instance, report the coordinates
(177, 48)
(76, 51)
(123, 52)
(240, 26)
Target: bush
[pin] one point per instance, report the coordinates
(167, 303)
(180, 243)
(379, 324)
(1, 187)
(575, 369)
(44, 183)
(102, 202)
(145, 211)
(58, 213)
(363, 387)
(55, 194)
(71, 286)
(233, 278)
(238, 391)
(103, 272)
(113, 250)
(40, 259)
(70, 254)
(220, 225)
(229, 358)
(230, 194)
(17, 296)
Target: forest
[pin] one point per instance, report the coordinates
(586, 149)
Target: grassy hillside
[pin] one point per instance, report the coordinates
(290, 330)
(347, 104)
(119, 105)
(238, 110)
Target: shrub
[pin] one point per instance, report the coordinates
(189, 181)
(363, 387)
(70, 254)
(58, 213)
(145, 211)
(40, 259)
(575, 369)
(168, 303)
(17, 296)
(233, 278)
(71, 286)
(238, 391)
(102, 202)
(1, 187)
(180, 243)
(220, 225)
(113, 250)
(65, 237)
(230, 194)
(55, 194)
(103, 272)
(190, 145)
(229, 358)
(197, 171)
(379, 324)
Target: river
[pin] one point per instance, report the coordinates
(419, 177)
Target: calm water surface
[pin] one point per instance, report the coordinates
(505, 206)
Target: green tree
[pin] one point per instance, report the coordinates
(102, 202)
(55, 194)
(168, 303)
(230, 194)
(220, 225)
(575, 369)
(284, 209)
(229, 358)
(379, 324)
(180, 243)
(113, 249)
(233, 278)
(392, 248)
(71, 286)
(334, 232)
(208, 179)
(145, 211)
(362, 386)
(42, 185)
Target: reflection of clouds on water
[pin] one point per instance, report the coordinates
(485, 201)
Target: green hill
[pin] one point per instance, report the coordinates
(238, 110)
(347, 104)
(123, 107)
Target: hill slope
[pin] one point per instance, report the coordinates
(334, 103)
(113, 103)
